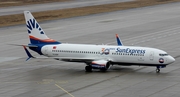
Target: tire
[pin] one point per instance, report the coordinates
(157, 70)
(88, 69)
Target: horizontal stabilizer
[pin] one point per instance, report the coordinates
(28, 53)
(23, 45)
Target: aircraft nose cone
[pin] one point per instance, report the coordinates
(171, 59)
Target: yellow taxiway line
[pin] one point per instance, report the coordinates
(64, 90)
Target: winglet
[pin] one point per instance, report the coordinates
(119, 43)
(28, 53)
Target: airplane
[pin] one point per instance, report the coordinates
(100, 57)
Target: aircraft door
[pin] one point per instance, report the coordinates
(151, 56)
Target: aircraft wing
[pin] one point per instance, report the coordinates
(68, 59)
(72, 59)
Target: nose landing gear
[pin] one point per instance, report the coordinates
(158, 68)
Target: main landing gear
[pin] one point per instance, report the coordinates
(88, 68)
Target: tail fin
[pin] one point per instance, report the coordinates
(36, 33)
(119, 43)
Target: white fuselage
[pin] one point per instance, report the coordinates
(95, 56)
(116, 54)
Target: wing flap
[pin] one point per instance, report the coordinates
(68, 59)
(72, 59)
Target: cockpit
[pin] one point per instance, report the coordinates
(163, 54)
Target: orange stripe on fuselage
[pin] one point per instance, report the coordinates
(43, 40)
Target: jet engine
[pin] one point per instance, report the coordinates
(100, 64)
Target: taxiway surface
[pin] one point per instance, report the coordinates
(55, 6)
(155, 26)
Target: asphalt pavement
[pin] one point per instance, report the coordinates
(55, 6)
(155, 26)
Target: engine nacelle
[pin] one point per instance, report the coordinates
(100, 64)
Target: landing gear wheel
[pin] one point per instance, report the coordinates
(88, 69)
(157, 70)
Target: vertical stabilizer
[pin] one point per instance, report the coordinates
(36, 33)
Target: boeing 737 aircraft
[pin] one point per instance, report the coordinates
(94, 56)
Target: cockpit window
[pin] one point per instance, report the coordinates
(163, 54)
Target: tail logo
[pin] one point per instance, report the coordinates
(32, 24)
